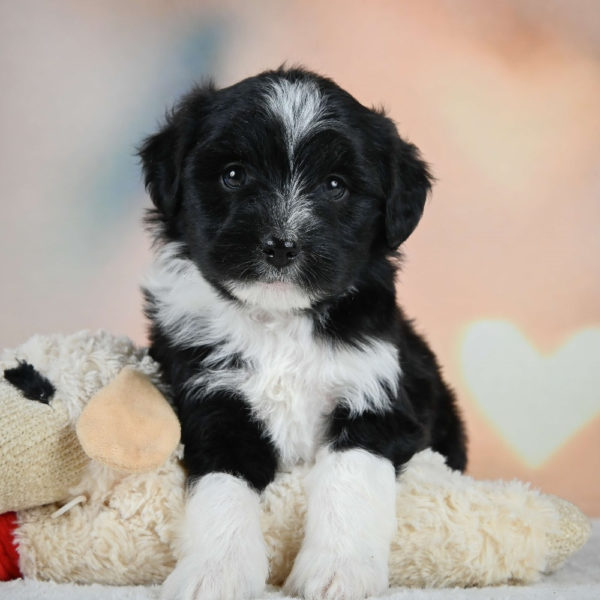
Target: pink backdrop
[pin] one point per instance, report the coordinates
(503, 99)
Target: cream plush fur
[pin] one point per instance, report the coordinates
(41, 457)
(451, 529)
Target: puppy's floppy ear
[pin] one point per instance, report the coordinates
(163, 154)
(409, 184)
(161, 163)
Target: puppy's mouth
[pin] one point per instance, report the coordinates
(280, 296)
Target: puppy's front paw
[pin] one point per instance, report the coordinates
(328, 576)
(196, 578)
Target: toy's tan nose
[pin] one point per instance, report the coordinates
(129, 425)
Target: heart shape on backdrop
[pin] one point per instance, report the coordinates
(536, 402)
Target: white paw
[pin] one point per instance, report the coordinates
(221, 547)
(196, 578)
(330, 576)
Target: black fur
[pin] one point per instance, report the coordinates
(217, 430)
(221, 434)
(347, 263)
(422, 415)
(31, 382)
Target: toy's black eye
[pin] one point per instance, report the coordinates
(335, 187)
(234, 177)
(30, 382)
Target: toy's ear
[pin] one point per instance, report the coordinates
(409, 182)
(129, 425)
(163, 154)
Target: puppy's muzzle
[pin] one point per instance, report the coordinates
(278, 252)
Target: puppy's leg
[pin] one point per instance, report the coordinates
(222, 553)
(351, 519)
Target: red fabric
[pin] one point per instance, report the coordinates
(9, 555)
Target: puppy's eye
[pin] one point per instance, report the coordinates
(335, 187)
(234, 177)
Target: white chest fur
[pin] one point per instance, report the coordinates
(291, 379)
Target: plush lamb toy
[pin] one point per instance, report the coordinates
(98, 447)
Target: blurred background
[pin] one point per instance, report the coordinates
(503, 98)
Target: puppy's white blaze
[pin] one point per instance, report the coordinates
(301, 109)
(291, 379)
(221, 548)
(299, 105)
(350, 522)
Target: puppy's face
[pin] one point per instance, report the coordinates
(283, 188)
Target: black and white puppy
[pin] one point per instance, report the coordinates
(280, 203)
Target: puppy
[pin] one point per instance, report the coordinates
(279, 206)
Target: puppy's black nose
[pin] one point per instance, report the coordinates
(279, 253)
